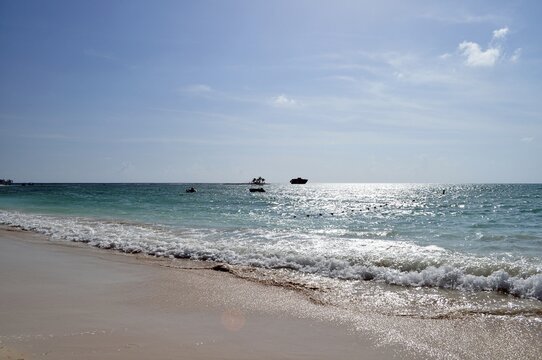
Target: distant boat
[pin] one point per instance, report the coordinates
(191, 190)
(299, 181)
(256, 190)
(258, 181)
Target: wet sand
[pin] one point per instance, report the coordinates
(63, 300)
(67, 301)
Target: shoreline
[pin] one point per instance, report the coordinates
(68, 300)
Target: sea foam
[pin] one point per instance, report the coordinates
(397, 263)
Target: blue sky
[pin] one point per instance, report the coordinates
(224, 91)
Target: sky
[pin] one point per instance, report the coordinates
(225, 91)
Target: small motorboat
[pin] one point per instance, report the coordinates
(256, 190)
(299, 181)
(191, 190)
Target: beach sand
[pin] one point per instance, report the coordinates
(62, 300)
(65, 301)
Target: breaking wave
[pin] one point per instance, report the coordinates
(397, 263)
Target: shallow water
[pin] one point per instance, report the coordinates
(407, 249)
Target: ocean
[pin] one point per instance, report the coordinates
(420, 250)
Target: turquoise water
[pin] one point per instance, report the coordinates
(468, 238)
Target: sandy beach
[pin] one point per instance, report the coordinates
(63, 301)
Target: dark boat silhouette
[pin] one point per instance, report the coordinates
(258, 181)
(298, 181)
(256, 190)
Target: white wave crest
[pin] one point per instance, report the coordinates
(398, 263)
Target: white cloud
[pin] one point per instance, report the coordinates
(476, 57)
(283, 101)
(500, 33)
(197, 89)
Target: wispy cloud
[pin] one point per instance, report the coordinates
(126, 166)
(100, 55)
(196, 89)
(516, 55)
(283, 101)
(214, 118)
(341, 78)
(464, 18)
(252, 98)
(52, 136)
(358, 68)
